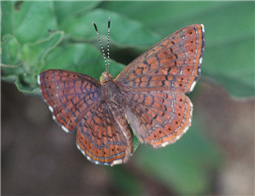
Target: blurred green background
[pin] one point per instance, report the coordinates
(216, 155)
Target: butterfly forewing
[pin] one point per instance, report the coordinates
(172, 64)
(69, 95)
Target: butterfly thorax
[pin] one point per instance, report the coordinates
(111, 92)
(105, 77)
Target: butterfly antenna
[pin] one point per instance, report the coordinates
(101, 45)
(108, 44)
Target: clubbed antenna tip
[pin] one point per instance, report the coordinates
(109, 21)
(108, 45)
(107, 64)
(95, 26)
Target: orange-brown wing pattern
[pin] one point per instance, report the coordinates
(172, 64)
(159, 117)
(148, 93)
(104, 137)
(69, 95)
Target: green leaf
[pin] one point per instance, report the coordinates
(66, 9)
(82, 58)
(32, 56)
(34, 53)
(9, 78)
(29, 21)
(10, 51)
(161, 17)
(6, 18)
(124, 182)
(124, 32)
(235, 73)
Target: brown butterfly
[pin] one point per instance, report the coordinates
(148, 95)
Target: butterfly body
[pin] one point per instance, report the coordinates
(111, 92)
(148, 95)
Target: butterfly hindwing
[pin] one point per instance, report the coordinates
(103, 137)
(159, 117)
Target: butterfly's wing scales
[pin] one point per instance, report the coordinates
(76, 102)
(69, 95)
(103, 137)
(159, 117)
(172, 64)
(158, 110)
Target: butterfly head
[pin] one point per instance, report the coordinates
(105, 77)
